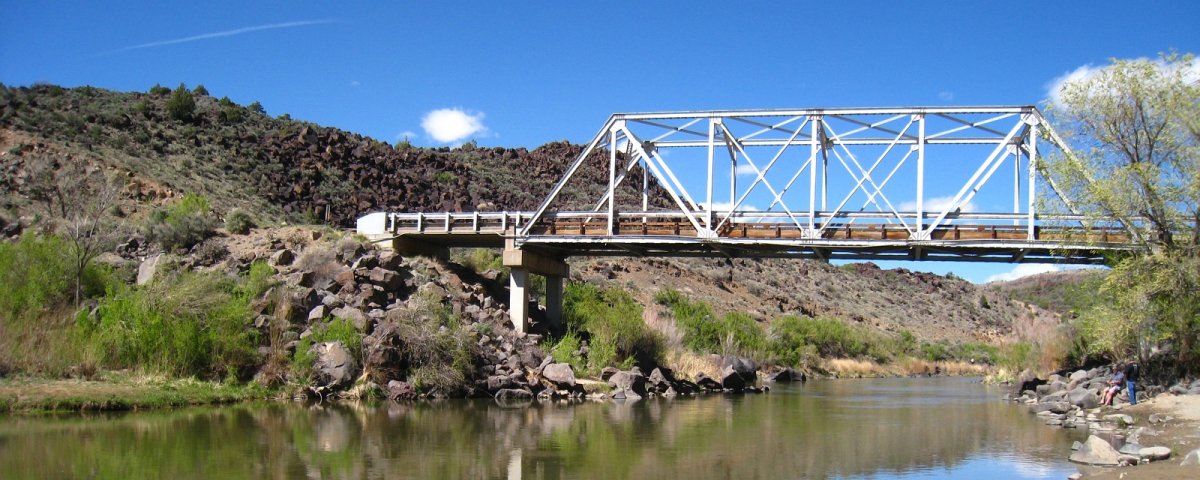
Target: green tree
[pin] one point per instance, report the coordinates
(1133, 129)
(182, 104)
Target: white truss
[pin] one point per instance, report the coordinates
(869, 145)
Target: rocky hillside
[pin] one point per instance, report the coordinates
(930, 306)
(1064, 292)
(287, 170)
(283, 169)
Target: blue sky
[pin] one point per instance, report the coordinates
(523, 74)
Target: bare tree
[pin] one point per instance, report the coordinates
(78, 200)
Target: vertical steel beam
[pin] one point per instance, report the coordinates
(1033, 133)
(712, 143)
(612, 180)
(812, 176)
(920, 226)
(645, 190)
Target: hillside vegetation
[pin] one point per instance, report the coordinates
(201, 185)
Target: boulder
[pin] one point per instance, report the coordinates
(608, 372)
(1079, 375)
(499, 382)
(1131, 449)
(335, 366)
(1096, 451)
(630, 381)
(744, 367)
(317, 314)
(1192, 459)
(401, 391)
(1084, 398)
(390, 260)
(353, 315)
(303, 278)
(387, 279)
(707, 383)
(282, 258)
(1027, 380)
(732, 380)
(1052, 407)
(1056, 386)
(785, 375)
(1155, 453)
(1194, 391)
(149, 268)
(560, 374)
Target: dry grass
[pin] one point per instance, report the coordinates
(687, 364)
(906, 366)
(322, 262)
(46, 345)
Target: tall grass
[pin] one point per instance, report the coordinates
(187, 324)
(36, 314)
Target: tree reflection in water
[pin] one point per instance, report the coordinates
(846, 428)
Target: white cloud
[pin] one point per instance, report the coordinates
(1054, 88)
(746, 169)
(1023, 270)
(946, 96)
(449, 125)
(226, 33)
(936, 204)
(723, 206)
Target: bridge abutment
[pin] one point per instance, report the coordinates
(522, 264)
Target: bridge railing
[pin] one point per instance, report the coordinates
(853, 226)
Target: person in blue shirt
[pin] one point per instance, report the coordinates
(1114, 386)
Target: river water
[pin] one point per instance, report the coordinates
(878, 428)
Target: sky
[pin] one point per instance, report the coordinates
(527, 73)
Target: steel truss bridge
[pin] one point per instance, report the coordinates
(850, 184)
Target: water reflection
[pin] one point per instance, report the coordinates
(893, 428)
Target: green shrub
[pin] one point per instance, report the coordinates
(830, 338)
(188, 324)
(239, 221)
(200, 90)
(182, 105)
(226, 102)
(256, 108)
(613, 319)
(56, 91)
(480, 260)
(34, 275)
(159, 90)
(703, 332)
(182, 224)
(231, 114)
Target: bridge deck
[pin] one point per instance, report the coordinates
(967, 240)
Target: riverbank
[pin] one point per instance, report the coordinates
(119, 391)
(1181, 435)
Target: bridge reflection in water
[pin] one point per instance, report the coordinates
(879, 428)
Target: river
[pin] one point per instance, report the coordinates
(877, 428)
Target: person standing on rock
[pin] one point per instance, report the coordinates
(1131, 378)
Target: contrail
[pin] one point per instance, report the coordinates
(220, 34)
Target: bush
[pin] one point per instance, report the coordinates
(239, 221)
(159, 90)
(180, 225)
(189, 324)
(703, 332)
(34, 275)
(231, 114)
(226, 102)
(613, 321)
(182, 105)
(200, 90)
(256, 108)
(439, 349)
(830, 338)
(480, 260)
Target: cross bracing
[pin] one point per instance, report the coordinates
(936, 183)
